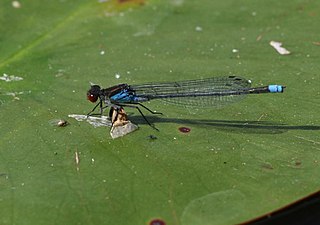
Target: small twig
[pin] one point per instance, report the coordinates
(77, 159)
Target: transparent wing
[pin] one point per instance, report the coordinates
(209, 92)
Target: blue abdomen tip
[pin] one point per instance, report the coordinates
(275, 88)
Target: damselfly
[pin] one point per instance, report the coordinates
(208, 92)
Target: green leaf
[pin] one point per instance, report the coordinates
(235, 164)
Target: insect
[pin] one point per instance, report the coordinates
(59, 122)
(208, 92)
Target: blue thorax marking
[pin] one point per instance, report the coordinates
(123, 96)
(126, 96)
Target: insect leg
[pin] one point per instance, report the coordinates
(101, 110)
(136, 107)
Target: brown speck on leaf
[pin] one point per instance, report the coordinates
(298, 163)
(267, 166)
(62, 123)
(316, 43)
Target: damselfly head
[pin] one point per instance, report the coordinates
(94, 93)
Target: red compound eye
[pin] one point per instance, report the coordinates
(92, 97)
(94, 93)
